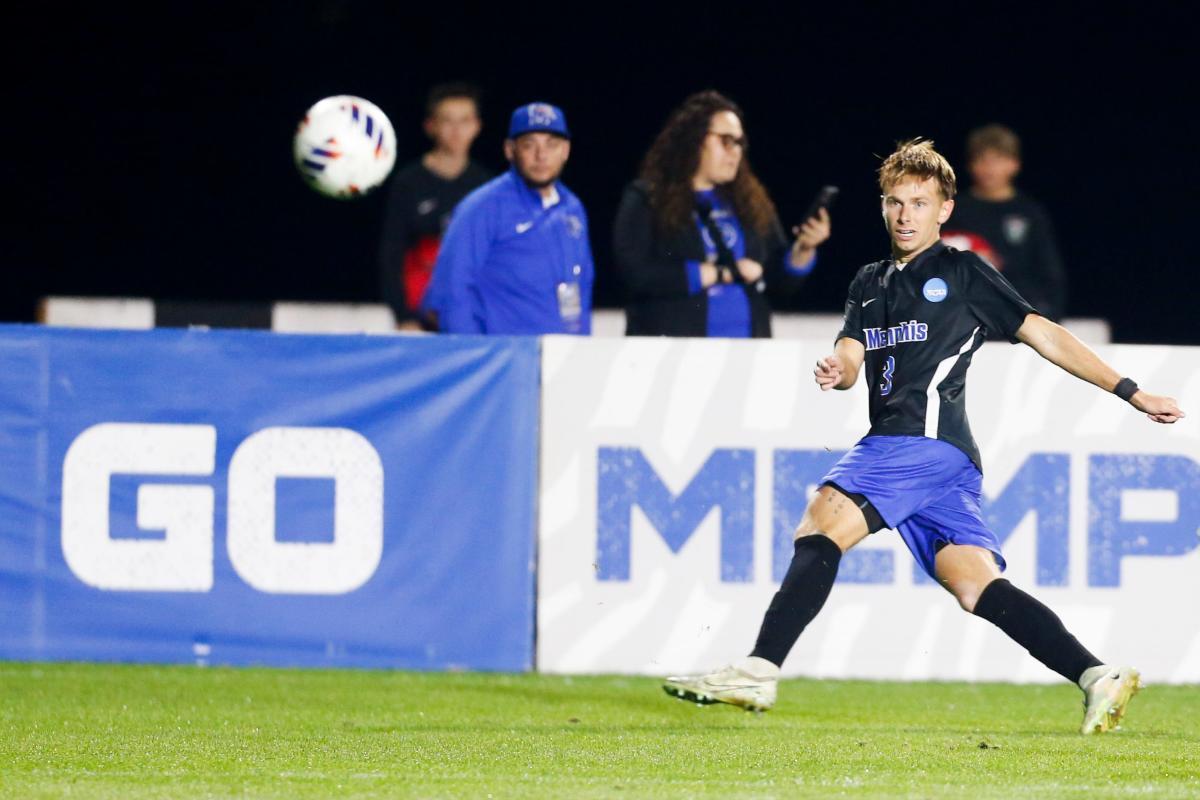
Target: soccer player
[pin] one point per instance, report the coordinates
(914, 321)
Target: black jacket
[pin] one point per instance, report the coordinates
(654, 273)
(419, 205)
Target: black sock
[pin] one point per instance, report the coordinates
(1035, 627)
(801, 595)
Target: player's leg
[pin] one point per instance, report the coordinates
(955, 546)
(896, 473)
(833, 523)
(971, 574)
(965, 571)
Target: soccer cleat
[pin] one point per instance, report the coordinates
(1106, 697)
(738, 685)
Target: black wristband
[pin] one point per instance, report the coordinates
(1125, 389)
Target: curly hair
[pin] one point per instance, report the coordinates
(674, 157)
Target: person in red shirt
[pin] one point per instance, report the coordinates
(421, 198)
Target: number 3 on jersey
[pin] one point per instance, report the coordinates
(889, 367)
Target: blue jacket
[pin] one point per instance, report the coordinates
(504, 257)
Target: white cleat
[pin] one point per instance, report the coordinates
(750, 684)
(1106, 696)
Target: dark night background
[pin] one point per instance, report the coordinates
(150, 152)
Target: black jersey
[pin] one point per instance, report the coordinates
(920, 324)
(418, 210)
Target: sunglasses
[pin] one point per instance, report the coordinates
(729, 141)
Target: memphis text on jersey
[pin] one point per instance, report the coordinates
(911, 331)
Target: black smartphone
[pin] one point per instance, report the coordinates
(824, 199)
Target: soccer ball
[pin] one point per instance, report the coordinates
(345, 146)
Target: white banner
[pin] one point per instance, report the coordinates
(674, 471)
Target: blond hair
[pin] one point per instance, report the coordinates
(917, 159)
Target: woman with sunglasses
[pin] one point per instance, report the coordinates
(697, 240)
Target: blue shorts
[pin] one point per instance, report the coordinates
(926, 489)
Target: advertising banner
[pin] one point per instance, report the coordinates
(673, 473)
(254, 498)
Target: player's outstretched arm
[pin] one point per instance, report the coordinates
(840, 370)
(1059, 346)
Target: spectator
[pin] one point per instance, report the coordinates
(423, 194)
(1008, 228)
(697, 239)
(516, 258)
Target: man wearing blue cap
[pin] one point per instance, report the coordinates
(516, 257)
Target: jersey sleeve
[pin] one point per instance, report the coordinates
(993, 300)
(852, 319)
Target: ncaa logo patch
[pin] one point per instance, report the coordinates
(935, 290)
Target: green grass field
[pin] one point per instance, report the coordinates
(72, 730)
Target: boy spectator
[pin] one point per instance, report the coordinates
(422, 196)
(1008, 228)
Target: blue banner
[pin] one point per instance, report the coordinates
(254, 498)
